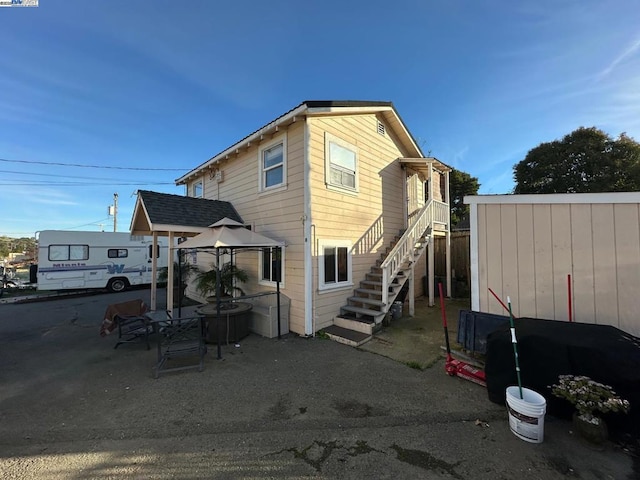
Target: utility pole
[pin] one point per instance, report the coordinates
(115, 212)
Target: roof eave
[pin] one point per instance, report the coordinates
(285, 119)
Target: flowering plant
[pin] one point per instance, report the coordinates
(589, 396)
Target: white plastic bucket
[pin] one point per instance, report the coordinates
(526, 415)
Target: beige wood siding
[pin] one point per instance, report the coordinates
(368, 219)
(527, 250)
(275, 214)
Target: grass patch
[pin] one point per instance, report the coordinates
(414, 365)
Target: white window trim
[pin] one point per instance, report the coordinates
(193, 189)
(334, 286)
(268, 283)
(329, 138)
(266, 146)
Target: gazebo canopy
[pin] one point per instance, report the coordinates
(228, 233)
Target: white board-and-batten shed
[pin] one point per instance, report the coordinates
(525, 247)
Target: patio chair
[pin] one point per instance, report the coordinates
(180, 343)
(130, 320)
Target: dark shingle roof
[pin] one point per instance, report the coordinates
(168, 209)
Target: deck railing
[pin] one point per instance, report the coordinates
(433, 211)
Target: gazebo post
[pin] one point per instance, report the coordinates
(218, 301)
(278, 268)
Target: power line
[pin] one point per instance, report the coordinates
(59, 176)
(79, 184)
(59, 164)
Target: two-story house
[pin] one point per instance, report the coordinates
(347, 189)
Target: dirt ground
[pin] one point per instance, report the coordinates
(72, 407)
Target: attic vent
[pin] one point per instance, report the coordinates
(381, 129)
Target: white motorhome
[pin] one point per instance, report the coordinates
(111, 260)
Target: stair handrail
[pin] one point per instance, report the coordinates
(404, 248)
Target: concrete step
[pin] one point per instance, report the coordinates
(346, 336)
(357, 324)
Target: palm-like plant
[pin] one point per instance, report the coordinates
(229, 275)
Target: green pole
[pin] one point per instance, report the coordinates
(514, 341)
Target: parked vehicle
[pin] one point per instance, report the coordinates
(111, 260)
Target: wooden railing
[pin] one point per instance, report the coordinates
(433, 211)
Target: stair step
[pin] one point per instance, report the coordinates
(346, 336)
(362, 325)
(367, 291)
(362, 311)
(366, 300)
(371, 283)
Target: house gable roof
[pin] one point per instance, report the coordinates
(164, 212)
(317, 108)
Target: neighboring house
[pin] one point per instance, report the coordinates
(526, 246)
(347, 188)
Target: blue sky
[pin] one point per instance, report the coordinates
(167, 84)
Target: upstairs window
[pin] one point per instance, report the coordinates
(196, 189)
(341, 164)
(273, 161)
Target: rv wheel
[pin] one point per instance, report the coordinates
(117, 285)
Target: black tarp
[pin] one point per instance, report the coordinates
(549, 348)
(474, 327)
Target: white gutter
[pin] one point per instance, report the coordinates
(306, 225)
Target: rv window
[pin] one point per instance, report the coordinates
(117, 253)
(151, 251)
(68, 252)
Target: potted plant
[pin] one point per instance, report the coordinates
(230, 274)
(234, 323)
(589, 397)
(182, 272)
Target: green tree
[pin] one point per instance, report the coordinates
(586, 160)
(460, 184)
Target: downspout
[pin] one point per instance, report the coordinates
(306, 226)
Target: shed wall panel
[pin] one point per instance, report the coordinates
(582, 271)
(543, 252)
(561, 244)
(604, 263)
(627, 248)
(526, 306)
(509, 258)
(494, 255)
(483, 259)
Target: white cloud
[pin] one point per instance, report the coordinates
(629, 51)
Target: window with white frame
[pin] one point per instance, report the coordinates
(196, 189)
(341, 164)
(334, 264)
(271, 266)
(273, 165)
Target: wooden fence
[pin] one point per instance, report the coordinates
(460, 262)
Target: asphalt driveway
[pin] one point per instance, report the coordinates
(72, 407)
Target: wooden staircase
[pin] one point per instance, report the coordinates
(370, 304)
